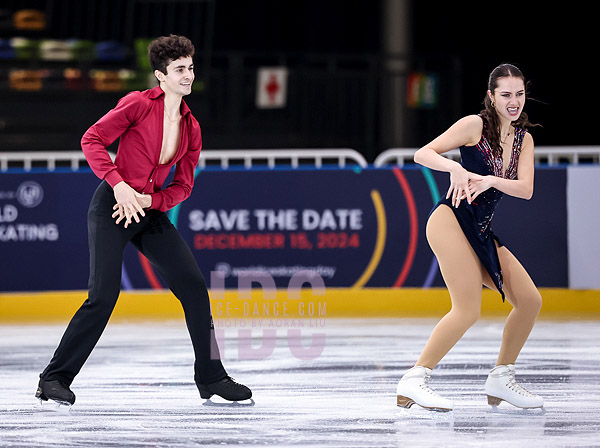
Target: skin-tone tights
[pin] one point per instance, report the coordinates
(464, 276)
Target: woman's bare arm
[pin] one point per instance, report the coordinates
(466, 131)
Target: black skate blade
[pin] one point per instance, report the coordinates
(221, 402)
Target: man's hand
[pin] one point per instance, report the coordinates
(145, 200)
(128, 205)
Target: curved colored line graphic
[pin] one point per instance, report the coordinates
(150, 275)
(435, 195)
(173, 214)
(125, 282)
(379, 243)
(414, 225)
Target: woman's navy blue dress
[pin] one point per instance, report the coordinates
(475, 218)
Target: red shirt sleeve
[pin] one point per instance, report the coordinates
(183, 179)
(105, 131)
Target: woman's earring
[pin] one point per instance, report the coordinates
(493, 104)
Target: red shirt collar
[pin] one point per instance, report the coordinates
(157, 92)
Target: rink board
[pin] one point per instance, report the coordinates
(233, 306)
(352, 228)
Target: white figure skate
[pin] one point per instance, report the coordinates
(502, 386)
(413, 388)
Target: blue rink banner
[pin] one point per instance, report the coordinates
(352, 227)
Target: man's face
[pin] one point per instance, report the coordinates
(179, 77)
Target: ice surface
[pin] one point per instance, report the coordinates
(136, 390)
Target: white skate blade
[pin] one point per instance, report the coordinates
(217, 401)
(432, 410)
(510, 409)
(407, 403)
(495, 402)
(55, 406)
(420, 413)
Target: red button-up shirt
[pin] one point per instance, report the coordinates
(138, 121)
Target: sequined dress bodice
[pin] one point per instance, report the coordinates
(475, 218)
(479, 159)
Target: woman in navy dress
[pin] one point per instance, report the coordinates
(497, 159)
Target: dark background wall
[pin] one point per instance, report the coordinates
(551, 42)
(334, 51)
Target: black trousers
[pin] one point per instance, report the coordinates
(156, 238)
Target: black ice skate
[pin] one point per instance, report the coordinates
(55, 390)
(226, 388)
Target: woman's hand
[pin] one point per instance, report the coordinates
(479, 185)
(127, 206)
(460, 180)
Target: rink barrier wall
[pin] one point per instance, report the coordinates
(354, 227)
(231, 308)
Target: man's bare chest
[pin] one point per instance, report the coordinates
(170, 141)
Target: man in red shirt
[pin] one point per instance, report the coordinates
(156, 131)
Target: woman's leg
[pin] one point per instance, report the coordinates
(526, 300)
(462, 271)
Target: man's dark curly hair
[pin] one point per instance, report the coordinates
(166, 49)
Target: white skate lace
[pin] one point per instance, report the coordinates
(426, 388)
(516, 387)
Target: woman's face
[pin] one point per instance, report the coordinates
(509, 97)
